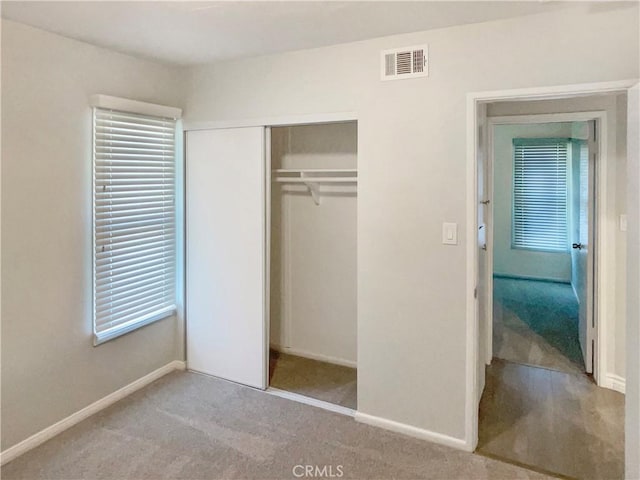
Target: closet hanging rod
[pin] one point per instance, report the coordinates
(313, 178)
(316, 180)
(315, 170)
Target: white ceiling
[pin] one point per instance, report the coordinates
(188, 33)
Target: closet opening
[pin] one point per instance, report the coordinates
(312, 260)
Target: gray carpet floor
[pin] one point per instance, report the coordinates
(189, 426)
(552, 421)
(320, 380)
(536, 323)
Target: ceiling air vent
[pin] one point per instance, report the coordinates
(408, 62)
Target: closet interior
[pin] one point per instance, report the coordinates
(313, 286)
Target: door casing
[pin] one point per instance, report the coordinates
(474, 102)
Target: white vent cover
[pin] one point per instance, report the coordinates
(406, 62)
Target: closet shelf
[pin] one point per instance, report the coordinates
(314, 177)
(316, 170)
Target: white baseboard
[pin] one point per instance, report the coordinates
(68, 422)
(412, 431)
(314, 356)
(614, 382)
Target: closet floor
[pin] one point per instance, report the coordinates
(320, 380)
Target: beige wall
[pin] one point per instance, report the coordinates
(508, 260)
(50, 368)
(412, 290)
(313, 247)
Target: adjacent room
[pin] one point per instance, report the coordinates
(548, 178)
(320, 239)
(540, 205)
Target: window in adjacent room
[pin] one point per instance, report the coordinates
(134, 227)
(540, 194)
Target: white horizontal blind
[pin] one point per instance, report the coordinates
(540, 194)
(583, 229)
(134, 221)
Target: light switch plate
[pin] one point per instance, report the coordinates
(450, 233)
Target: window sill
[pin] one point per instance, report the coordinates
(115, 332)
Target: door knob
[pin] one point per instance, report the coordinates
(577, 245)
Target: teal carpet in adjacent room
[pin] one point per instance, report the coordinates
(536, 323)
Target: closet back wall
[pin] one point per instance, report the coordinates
(313, 247)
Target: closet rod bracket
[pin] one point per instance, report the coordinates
(314, 178)
(314, 188)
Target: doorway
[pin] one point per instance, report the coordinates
(313, 252)
(542, 208)
(543, 250)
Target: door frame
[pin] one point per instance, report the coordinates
(281, 121)
(278, 122)
(603, 260)
(475, 365)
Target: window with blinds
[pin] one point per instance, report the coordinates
(540, 193)
(134, 221)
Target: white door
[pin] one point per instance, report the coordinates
(225, 244)
(485, 234)
(632, 411)
(585, 246)
(484, 292)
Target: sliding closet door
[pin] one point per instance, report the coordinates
(225, 244)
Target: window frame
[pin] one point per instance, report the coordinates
(151, 111)
(519, 141)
